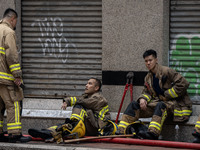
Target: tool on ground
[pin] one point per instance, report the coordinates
(129, 83)
(96, 137)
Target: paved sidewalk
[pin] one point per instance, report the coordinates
(37, 145)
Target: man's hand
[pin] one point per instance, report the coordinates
(143, 104)
(162, 98)
(18, 81)
(64, 106)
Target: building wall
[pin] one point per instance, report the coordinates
(6, 4)
(16, 5)
(129, 28)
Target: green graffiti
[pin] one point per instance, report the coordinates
(195, 43)
(185, 59)
(182, 43)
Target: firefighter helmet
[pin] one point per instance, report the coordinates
(109, 129)
(135, 127)
(74, 127)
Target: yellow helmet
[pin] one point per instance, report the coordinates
(109, 129)
(74, 127)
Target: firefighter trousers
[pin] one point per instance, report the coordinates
(197, 125)
(12, 108)
(91, 122)
(156, 110)
(79, 113)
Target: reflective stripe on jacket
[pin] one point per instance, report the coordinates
(175, 89)
(9, 66)
(96, 102)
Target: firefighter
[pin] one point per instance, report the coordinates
(164, 94)
(91, 109)
(10, 79)
(196, 132)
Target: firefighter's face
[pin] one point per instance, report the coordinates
(91, 87)
(150, 62)
(14, 22)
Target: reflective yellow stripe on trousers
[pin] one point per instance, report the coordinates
(17, 124)
(154, 124)
(197, 124)
(79, 117)
(1, 124)
(103, 111)
(123, 124)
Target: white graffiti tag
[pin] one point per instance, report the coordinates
(52, 40)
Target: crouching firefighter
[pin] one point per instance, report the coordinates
(164, 94)
(90, 115)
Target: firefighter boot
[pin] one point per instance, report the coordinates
(196, 137)
(148, 135)
(18, 138)
(125, 122)
(196, 140)
(44, 133)
(3, 138)
(120, 131)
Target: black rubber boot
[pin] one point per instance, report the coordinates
(18, 138)
(3, 138)
(147, 135)
(196, 137)
(44, 134)
(196, 140)
(118, 133)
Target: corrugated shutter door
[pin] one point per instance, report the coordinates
(61, 46)
(185, 42)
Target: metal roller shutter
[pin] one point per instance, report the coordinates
(61, 46)
(184, 54)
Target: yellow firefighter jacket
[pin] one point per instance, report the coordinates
(9, 59)
(174, 87)
(96, 102)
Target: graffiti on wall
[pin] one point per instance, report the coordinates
(51, 38)
(185, 58)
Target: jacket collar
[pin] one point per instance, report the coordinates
(6, 23)
(158, 73)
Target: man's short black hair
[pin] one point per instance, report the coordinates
(9, 13)
(98, 83)
(150, 52)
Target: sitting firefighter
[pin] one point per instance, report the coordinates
(90, 116)
(164, 94)
(196, 132)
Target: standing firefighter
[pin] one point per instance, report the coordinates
(90, 116)
(164, 94)
(196, 132)
(10, 79)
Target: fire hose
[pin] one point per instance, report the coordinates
(149, 142)
(144, 142)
